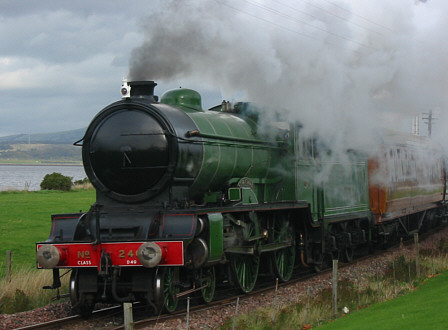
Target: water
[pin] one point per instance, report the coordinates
(20, 177)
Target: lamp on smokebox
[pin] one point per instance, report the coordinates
(125, 89)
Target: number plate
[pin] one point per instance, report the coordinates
(121, 254)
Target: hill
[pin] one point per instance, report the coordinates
(65, 137)
(44, 147)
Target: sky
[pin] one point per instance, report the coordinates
(344, 67)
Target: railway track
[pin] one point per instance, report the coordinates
(67, 322)
(112, 317)
(140, 312)
(141, 320)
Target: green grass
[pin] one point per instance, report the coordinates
(25, 218)
(399, 279)
(424, 308)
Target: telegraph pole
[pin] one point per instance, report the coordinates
(415, 130)
(428, 117)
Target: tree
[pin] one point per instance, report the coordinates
(56, 181)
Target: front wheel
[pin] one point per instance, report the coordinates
(166, 289)
(82, 303)
(207, 279)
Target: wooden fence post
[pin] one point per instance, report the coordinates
(236, 313)
(335, 288)
(393, 269)
(359, 289)
(8, 265)
(128, 320)
(308, 297)
(188, 312)
(417, 259)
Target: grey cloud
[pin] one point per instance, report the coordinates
(62, 58)
(330, 67)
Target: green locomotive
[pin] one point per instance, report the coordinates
(188, 198)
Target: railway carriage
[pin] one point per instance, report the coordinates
(407, 182)
(188, 199)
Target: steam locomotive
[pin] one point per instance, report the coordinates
(187, 199)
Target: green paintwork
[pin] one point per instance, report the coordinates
(244, 194)
(345, 188)
(234, 194)
(245, 267)
(306, 188)
(170, 290)
(279, 171)
(279, 164)
(186, 98)
(335, 186)
(208, 278)
(231, 150)
(216, 236)
(248, 196)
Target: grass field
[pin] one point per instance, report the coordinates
(424, 308)
(25, 220)
(375, 301)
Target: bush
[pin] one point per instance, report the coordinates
(56, 181)
(82, 182)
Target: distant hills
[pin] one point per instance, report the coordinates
(44, 147)
(66, 137)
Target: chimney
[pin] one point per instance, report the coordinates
(143, 89)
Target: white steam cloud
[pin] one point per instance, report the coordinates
(343, 68)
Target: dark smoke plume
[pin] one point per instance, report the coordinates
(343, 69)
